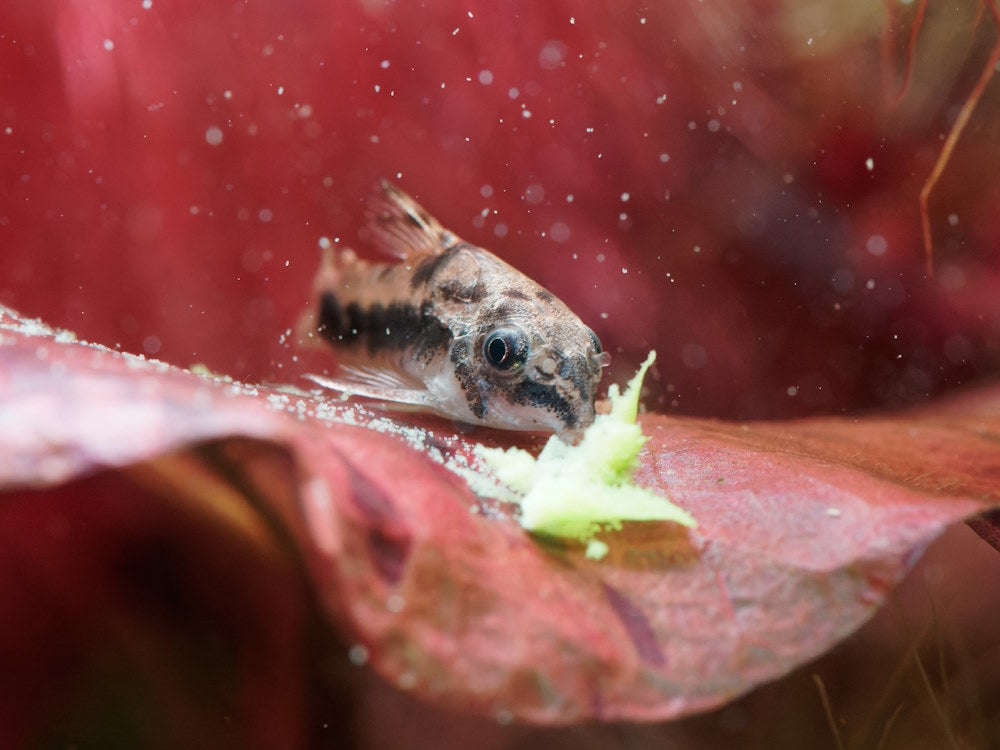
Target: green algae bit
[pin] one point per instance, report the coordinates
(576, 491)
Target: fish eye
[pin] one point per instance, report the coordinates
(506, 348)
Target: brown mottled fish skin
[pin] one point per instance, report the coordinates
(454, 329)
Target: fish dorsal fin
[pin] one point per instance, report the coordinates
(402, 228)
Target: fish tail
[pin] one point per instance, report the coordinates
(329, 277)
(332, 262)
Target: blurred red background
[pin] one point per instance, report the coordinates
(725, 182)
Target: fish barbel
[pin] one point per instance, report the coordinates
(453, 329)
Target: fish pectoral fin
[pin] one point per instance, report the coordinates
(402, 228)
(381, 377)
(380, 385)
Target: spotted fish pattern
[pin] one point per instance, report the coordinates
(451, 328)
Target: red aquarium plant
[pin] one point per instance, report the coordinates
(745, 187)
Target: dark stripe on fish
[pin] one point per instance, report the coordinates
(456, 291)
(429, 266)
(577, 372)
(595, 341)
(334, 322)
(514, 294)
(504, 311)
(419, 222)
(395, 326)
(538, 395)
(465, 374)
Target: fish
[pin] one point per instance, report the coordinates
(450, 328)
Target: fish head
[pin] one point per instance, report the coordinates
(532, 365)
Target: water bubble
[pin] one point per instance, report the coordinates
(694, 356)
(213, 136)
(559, 232)
(151, 345)
(534, 193)
(842, 281)
(877, 245)
(552, 54)
(357, 655)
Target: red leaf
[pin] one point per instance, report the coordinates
(803, 529)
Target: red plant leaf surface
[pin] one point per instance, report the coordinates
(803, 530)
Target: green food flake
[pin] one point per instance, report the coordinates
(576, 491)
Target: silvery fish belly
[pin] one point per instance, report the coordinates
(453, 329)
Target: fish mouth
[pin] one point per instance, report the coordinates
(571, 435)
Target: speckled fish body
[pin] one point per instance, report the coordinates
(452, 328)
